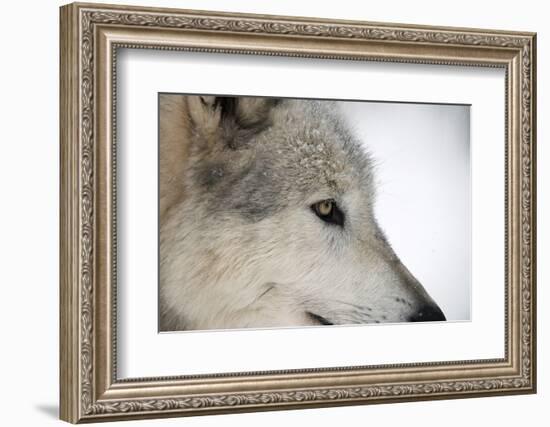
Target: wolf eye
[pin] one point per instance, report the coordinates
(328, 211)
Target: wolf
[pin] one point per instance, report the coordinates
(267, 220)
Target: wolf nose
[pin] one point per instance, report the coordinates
(428, 313)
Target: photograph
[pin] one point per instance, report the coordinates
(263, 212)
(282, 212)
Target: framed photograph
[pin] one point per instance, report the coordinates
(266, 212)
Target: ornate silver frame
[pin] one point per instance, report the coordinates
(90, 36)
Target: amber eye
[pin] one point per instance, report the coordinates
(328, 211)
(325, 207)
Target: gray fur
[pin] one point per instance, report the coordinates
(298, 147)
(244, 249)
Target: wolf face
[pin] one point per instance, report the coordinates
(275, 225)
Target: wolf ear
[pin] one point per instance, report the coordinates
(253, 112)
(205, 117)
(228, 120)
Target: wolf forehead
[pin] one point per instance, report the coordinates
(300, 147)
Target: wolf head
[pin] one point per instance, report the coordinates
(277, 225)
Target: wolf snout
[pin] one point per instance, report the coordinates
(428, 313)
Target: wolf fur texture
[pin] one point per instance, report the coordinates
(267, 220)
